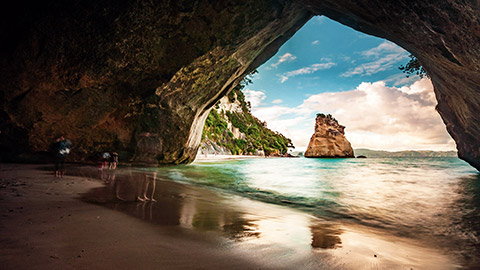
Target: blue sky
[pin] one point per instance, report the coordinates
(328, 67)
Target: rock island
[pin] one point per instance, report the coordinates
(329, 140)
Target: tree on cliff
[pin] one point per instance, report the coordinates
(413, 67)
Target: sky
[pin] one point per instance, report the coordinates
(327, 67)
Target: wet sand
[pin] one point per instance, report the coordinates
(94, 219)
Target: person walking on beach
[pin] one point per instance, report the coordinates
(105, 159)
(143, 184)
(113, 161)
(62, 149)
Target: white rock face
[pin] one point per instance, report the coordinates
(226, 105)
(209, 147)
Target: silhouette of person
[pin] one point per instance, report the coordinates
(62, 148)
(113, 160)
(143, 187)
(105, 159)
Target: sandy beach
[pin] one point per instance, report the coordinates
(94, 219)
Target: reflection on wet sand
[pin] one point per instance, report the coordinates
(261, 228)
(325, 236)
(133, 192)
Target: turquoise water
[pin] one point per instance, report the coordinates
(435, 200)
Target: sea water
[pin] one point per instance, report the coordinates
(432, 200)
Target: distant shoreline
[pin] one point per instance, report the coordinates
(406, 153)
(370, 154)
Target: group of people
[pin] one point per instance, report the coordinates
(109, 160)
(61, 148)
(144, 184)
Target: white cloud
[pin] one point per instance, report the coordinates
(306, 70)
(315, 42)
(277, 101)
(283, 78)
(382, 57)
(272, 113)
(401, 79)
(381, 64)
(288, 57)
(385, 47)
(287, 121)
(375, 116)
(255, 97)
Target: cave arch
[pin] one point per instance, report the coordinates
(327, 67)
(111, 74)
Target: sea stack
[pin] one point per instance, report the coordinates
(329, 140)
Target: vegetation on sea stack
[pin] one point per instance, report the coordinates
(257, 135)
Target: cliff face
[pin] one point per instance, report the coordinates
(215, 140)
(141, 76)
(328, 140)
(230, 128)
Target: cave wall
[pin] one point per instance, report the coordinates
(140, 76)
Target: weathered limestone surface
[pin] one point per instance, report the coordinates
(138, 74)
(328, 140)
